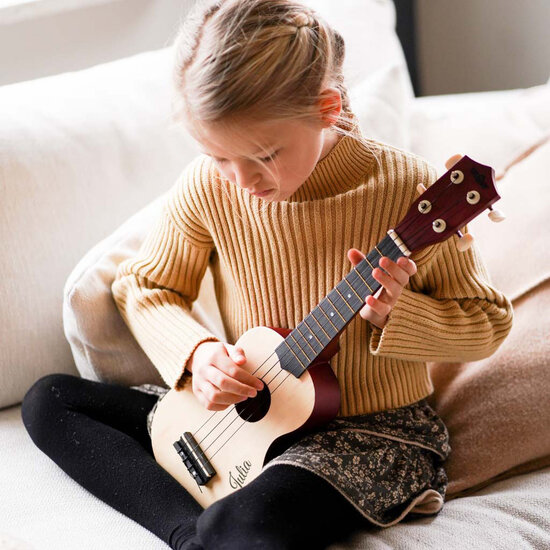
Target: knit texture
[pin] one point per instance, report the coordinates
(273, 262)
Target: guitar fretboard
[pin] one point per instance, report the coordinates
(308, 340)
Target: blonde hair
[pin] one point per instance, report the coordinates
(258, 59)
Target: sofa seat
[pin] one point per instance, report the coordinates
(509, 514)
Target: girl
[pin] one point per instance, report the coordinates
(285, 196)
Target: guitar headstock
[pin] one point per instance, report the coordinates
(456, 198)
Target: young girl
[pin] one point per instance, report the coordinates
(279, 206)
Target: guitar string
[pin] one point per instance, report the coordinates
(232, 408)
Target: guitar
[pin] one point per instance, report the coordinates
(213, 453)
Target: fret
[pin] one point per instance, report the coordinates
(344, 300)
(329, 310)
(322, 334)
(333, 329)
(301, 355)
(307, 337)
(326, 320)
(334, 298)
(311, 333)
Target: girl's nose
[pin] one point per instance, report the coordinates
(247, 178)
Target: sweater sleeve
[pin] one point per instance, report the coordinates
(154, 291)
(447, 312)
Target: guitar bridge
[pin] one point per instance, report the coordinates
(194, 459)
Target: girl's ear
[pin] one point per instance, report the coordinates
(330, 106)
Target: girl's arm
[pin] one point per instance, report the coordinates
(155, 290)
(447, 312)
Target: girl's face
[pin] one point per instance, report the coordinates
(272, 157)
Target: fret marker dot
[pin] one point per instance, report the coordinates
(310, 337)
(331, 313)
(349, 295)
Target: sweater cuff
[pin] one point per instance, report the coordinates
(404, 335)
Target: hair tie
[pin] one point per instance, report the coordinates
(303, 20)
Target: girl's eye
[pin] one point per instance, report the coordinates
(270, 157)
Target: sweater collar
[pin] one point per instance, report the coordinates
(339, 171)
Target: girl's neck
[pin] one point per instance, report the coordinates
(331, 139)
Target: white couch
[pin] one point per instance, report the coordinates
(81, 152)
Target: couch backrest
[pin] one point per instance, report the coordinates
(81, 152)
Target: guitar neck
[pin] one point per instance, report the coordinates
(327, 320)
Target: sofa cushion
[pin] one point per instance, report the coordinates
(497, 410)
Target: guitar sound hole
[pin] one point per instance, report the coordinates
(255, 408)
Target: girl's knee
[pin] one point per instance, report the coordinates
(41, 399)
(246, 524)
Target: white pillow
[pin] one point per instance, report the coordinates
(368, 29)
(490, 127)
(382, 103)
(80, 152)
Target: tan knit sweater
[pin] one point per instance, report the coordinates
(272, 263)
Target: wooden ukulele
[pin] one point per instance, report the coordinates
(213, 453)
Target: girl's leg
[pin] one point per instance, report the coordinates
(284, 508)
(97, 434)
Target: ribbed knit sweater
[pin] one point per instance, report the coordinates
(273, 262)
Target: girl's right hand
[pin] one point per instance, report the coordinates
(218, 379)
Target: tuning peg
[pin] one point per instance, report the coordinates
(420, 188)
(465, 241)
(496, 215)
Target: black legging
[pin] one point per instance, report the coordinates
(96, 432)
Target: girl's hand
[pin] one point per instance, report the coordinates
(218, 379)
(381, 303)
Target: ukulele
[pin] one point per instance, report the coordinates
(213, 453)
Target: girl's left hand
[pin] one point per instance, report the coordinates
(381, 303)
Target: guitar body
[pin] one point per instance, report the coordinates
(236, 441)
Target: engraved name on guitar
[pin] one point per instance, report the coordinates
(242, 471)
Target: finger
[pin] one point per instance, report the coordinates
(392, 287)
(206, 404)
(217, 397)
(394, 270)
(451, 161)
(408, 265)
(355, 256)
(229, 367)
(380, 308)
(228, 384)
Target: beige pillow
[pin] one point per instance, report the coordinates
(497, 410)
(102, 345)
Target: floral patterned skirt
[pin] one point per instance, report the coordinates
(388, 464)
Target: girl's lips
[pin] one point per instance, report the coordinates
(263, 193)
